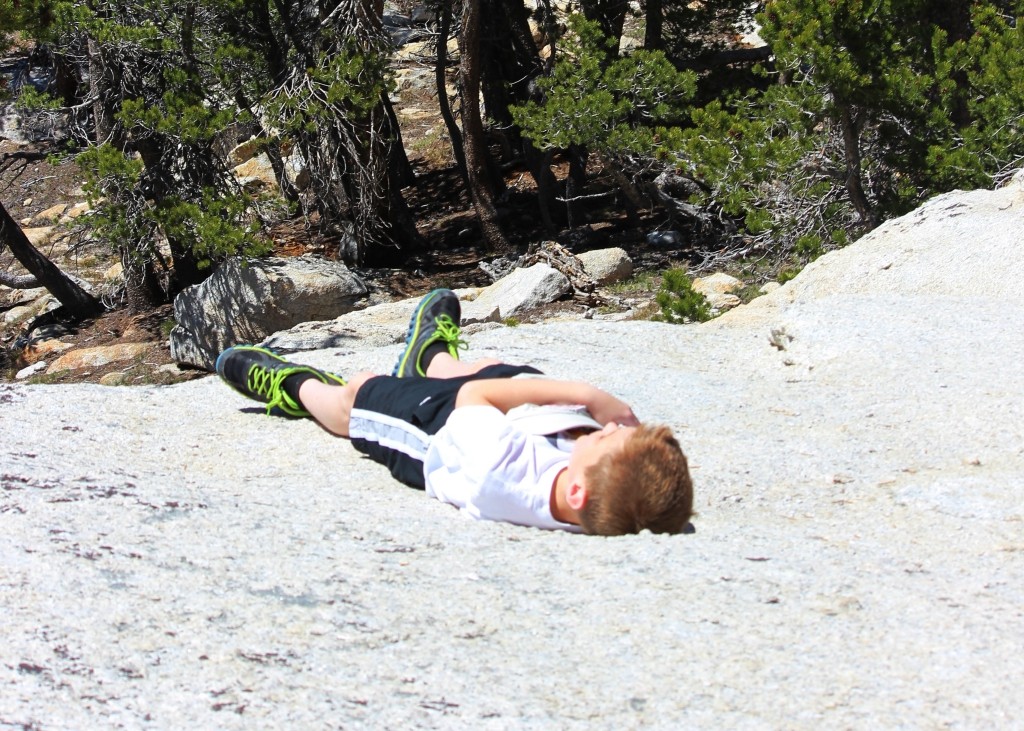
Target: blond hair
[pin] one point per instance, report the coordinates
(645, 485)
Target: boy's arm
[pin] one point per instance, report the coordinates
(507, 393)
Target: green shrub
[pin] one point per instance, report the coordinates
(679, 301)
(786, 274)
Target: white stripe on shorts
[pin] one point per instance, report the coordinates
(388, 431)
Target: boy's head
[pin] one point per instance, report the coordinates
(636, 478)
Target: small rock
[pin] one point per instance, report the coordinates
(51, 214)
(49, 332)
(607, 266)
(38, 236)
(246, 150)
(114, 272)
(30, 371)
(117, 378)
(416, 50)
(497, 268)
(717, 288)
(415, 78)
(257, 172)
(18, 314)
(718, 283)
(76, 210)
(27, 202)
(172, 369)
(664, 239)
(48, 347)
(98, 356)
(627, 44)
(297, 172)
(722, 302)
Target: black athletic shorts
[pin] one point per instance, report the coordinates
(393, 418)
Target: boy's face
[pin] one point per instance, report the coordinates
(590, 448)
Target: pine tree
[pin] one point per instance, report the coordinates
(875, 107)
(618, 108)
(157, 178)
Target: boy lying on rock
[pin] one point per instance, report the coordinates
(464, 433)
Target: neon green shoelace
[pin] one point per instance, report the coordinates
(268, 384)
(449, 332)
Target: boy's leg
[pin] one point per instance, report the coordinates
(443, 365)
(331, 405)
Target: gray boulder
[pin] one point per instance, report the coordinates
(382, 324)
(378, 325)
(518, 293)
(246, 302)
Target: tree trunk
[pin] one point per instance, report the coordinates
(473, 129)
(185, 265)
(351, 151)
(142, 287)
(399, 175)
(66, 79)
(402, 174)
(655, 17)
(540, 167)
(851, 152)
(633, 202)
(277, 165)
(954, 16)
(609, 14)
(99, 87)
(509, 67)
(76, 301)
(575, 181)
(444, 104)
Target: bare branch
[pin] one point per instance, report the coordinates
(19, 281)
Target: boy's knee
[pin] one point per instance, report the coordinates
(356, 381)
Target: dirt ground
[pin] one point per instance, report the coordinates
(33, 182)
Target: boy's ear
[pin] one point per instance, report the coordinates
(576, 496)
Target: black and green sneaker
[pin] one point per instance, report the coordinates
(260, 374)
(435, 321)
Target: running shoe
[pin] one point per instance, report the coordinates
(436, 319)
(259, 374)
